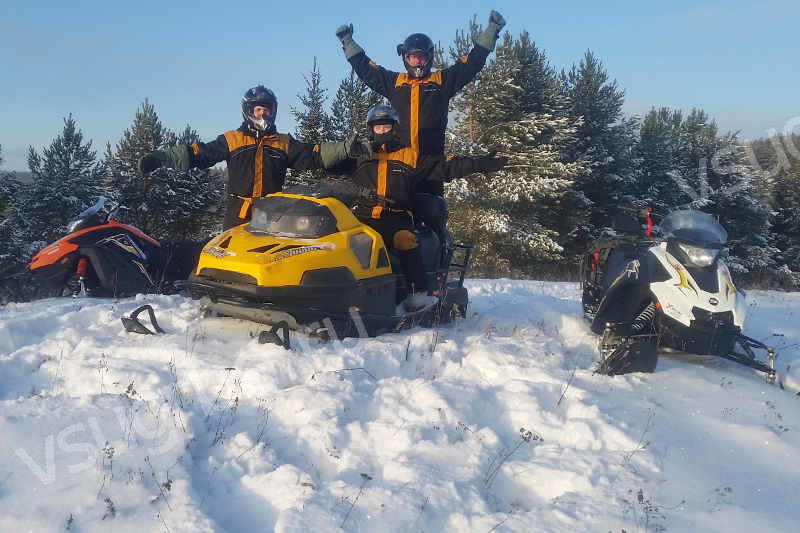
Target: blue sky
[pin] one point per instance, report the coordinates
(193, 60)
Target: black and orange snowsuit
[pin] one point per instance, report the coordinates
(257, 164)
(393, 177)
(421, 103)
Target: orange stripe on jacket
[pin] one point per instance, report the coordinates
(413, 124)
(381, 185)
(236, 139)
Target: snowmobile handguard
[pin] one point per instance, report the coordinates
(132, 324)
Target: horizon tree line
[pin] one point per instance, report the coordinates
(575, 162)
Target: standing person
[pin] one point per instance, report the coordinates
(421, 97)
(257, 156)
(391, 171)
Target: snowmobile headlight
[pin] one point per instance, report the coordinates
(698, 255)
(303, 223)
(361, 246)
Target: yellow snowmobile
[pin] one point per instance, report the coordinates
(307, 263)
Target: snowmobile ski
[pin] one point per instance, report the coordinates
(133, 325)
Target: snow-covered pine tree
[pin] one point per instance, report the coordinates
(349, 108)
(733, 189)
(11, 243)
(604, 145)
(313, 123)
(186, 205)
(66, 180)
(129, 186)
(688, 164)
(717, 179)
(782, 173)
(658, 150)
(8, 188)
(517, 109)
(166, 204)
(463, 105)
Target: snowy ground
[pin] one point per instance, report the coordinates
(499, 426)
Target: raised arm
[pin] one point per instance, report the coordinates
(466, 67)
(375, 76)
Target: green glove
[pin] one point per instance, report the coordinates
(353, 147)
(332, 154)
(488, 37)
(179, 157)
(345, 35)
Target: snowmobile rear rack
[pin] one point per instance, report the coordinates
(460, 268)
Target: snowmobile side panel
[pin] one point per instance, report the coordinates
(55, 251)
(628, 280)
(123, 260)
(681, 293)
(52, 254)
(621, 304)
(279, 261)
(118, 273)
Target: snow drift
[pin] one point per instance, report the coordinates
(496, 422)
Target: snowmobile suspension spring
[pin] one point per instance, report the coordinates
(81, 270)
(645, 317)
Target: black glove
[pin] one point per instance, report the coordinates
(490, 163)
(149, 163)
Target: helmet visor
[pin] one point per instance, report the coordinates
(262, 110)
(417, 58)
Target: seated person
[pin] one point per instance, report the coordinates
(392, 171)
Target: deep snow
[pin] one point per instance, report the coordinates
(499, 424)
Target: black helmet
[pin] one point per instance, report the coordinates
(383, 114)
(417, 42)
(259, 96)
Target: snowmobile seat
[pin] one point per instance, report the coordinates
(431, 210)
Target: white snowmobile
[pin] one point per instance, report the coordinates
(642, 293)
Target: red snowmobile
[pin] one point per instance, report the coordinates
(100, 256)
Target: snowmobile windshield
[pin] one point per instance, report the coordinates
(694, 227)
(89, 217)
(281, 216)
